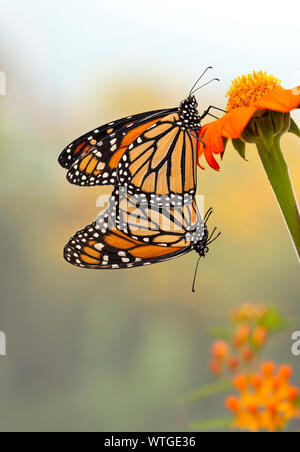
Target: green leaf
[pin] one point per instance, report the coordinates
(240, 146)
(273, 321)
(221, 333)
(206, 391)
(294, 128)
(212, 424)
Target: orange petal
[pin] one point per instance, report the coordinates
(211, 160)
(211, 134)
(236, 120)
(230, 125)
(283, 100)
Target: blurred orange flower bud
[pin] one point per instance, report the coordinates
(277, 383)
(233, 404)
(293, 393)
(242, 335)
(247, 354)
(240, 382)
(256, 381)
(233, 363)
(220, 349)
(272, 406)
(252, 407)
(215, 367)
(285, 372)
(268, 368)
(259, 336)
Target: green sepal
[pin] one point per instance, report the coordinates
(265, 127)
(240, 147)
(294, 128)
(225, 141)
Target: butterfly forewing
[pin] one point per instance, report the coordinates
(153, 153)
(93, 158)
(80, 146)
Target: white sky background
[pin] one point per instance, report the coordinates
(61, 45)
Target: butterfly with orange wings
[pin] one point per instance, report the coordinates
(133, 234)
(152, 153)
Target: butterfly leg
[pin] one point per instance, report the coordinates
(198, 139)
(207, 112)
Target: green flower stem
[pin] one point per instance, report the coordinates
(206, 391)
(278, 174)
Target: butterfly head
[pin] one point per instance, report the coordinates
(201, 247)
(189, 114)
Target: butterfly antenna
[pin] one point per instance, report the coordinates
(208, 215)
(195, 276)
(207, 83)
(211, 240)
(198, 80)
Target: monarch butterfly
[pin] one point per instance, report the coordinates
(152, 153)
(131, 234)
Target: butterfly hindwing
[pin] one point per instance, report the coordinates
(130, 234)
(91, 248)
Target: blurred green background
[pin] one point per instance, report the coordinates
(112, 351)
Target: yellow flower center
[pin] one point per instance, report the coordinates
(246, 90)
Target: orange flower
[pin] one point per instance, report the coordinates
(250, 98)
(242, 335)
(215, 367)
(220, 349)
(259, 337)
(267, 401)
(249, 312)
